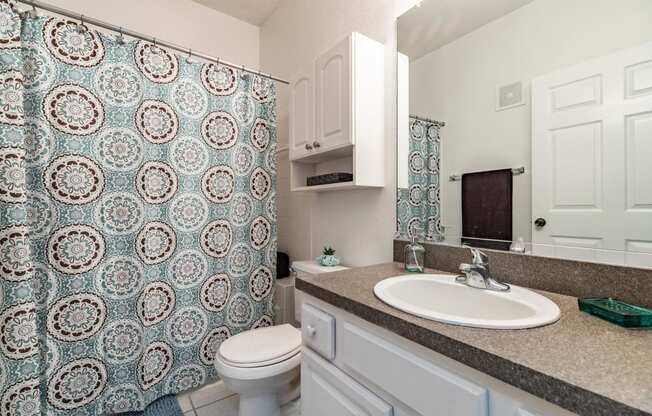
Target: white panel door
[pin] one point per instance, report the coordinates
(592, 160)
(327, 391)
(302, 113)
(333, 94)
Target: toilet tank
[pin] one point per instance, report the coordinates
(306, 269)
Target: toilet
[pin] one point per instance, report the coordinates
(262, 366)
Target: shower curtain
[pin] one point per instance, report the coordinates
(419, 204)
(137, 217)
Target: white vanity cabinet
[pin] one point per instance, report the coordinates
(376, 372)
(337, 116)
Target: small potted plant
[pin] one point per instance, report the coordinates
(328, 257)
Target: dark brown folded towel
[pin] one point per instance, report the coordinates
(487, 209)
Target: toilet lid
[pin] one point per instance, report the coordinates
(260, 347)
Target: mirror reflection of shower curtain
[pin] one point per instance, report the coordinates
(419, 204)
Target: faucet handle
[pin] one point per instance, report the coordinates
(479, 258)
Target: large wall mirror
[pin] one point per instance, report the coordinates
(526, 125)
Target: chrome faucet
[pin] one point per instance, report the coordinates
(477, 273)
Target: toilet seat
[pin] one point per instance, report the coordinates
(224, 369)
(262, 363)
(261, 347)
(260, 353)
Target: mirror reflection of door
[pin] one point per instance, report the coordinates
(592, 159)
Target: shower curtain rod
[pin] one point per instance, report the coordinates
(429, 120)
(85, 19)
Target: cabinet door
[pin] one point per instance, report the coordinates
(334, 97)
(431, 390)
(302, 114)
(327, 391)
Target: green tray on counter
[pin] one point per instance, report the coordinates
(617, 312)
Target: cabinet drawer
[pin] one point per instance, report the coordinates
(431, 390)
(327, 391)
(318, 331)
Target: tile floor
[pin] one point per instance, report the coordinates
(216, 400)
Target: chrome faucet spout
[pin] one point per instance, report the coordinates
(477, 274)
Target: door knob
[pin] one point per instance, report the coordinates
(540, 222)
(316, 144)
(311, 331)
(308, 146)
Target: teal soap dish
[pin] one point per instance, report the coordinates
(617, 312)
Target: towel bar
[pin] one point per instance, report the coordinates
(515, 171)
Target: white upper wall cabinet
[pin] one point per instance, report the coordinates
(337, 116)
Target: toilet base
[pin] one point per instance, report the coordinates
(265, 396)
(260, 405)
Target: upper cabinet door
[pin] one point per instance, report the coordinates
(333, 95)
(302, 110)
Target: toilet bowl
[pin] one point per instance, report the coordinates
(262, 366)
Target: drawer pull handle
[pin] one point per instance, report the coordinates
(311, 331)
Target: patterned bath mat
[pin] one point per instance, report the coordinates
(165, 406)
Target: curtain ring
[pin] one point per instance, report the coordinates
(121, 37)
(33, 13)
(81, 26)
(189, 58)
(217, 61)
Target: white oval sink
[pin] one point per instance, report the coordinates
(440, 298)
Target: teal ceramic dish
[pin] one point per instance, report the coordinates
(617, 312)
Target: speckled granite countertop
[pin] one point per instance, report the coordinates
(581, 363)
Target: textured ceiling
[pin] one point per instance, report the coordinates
(252, 11)
(435, 23)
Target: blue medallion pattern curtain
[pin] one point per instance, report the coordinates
(137, 217)
(419, 205)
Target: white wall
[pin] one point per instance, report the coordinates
(403, 111)
(182, 22)
(360, 225)
(457, 83)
